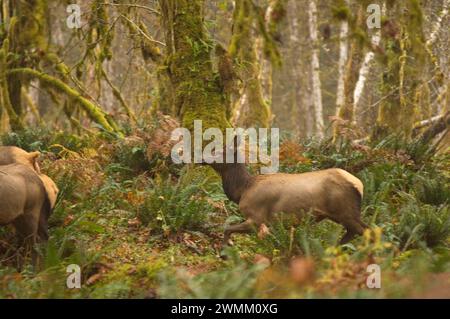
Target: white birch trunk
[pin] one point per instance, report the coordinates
(300, 71)
(315, 70)
(364, 72)
(343, 57)
(429, 121)
(265, 74)
(437, 25)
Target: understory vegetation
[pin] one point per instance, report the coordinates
(142, 227)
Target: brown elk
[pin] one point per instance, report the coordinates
(27, 196)
(13, 154)
(27, 199)
(332, 193)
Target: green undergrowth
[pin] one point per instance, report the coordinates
(140, 227)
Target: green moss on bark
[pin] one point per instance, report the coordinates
(14, 120)
(198, 95)
(404, 61)
(243, 47)
(93, 111)
(27, 35)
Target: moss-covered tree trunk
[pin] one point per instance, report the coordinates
(253, 110)
(404, 60)
(198, 94)
(27, 35)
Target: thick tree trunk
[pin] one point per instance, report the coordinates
(198, 93)
(404, 62)
(28, 32)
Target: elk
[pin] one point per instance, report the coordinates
(27, 199)
(332, 193)
(13, 154)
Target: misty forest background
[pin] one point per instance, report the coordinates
(101, 101)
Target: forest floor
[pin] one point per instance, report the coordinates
(140, 227)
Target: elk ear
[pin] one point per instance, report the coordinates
(33, 157)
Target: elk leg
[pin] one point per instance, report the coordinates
(245, 227)
(26, 227)
(354, 227)
(349, 235)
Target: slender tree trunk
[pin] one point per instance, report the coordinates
(302, 115)
(315, 70)
(265, 73)
(364, 72)
(438, 23)
(343, 57)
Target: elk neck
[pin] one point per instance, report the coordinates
(235, 180)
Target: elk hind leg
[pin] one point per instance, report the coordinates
(245, 227)
(26, 227)
(354, 227)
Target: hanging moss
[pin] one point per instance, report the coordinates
(341, 11)
(100, 30)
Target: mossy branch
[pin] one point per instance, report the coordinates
(93, 111)
(14, 119)
(148, 45)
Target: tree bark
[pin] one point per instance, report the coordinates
(343, 58)
(253, 110)
(198, 93)
(315, 70)
(364, 72)
(303, 116)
